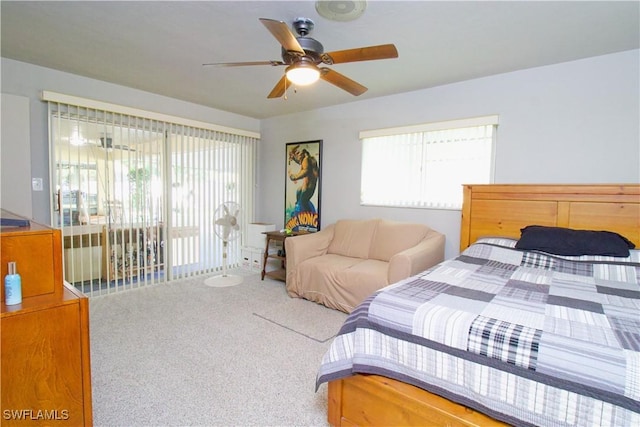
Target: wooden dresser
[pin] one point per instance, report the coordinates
(46, 370)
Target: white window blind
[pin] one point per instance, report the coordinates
(135, 196)
(425, 166)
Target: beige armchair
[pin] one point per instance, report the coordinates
(344, 263)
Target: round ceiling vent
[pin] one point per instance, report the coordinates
(336, 10)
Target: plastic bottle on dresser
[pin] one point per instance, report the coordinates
(12, 286)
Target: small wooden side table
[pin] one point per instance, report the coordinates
(277, 236)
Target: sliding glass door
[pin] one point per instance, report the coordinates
(135, 197)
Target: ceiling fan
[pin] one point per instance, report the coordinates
(303, 56)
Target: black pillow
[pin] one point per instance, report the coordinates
(566, 241)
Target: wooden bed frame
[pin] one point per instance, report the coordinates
(488, 210)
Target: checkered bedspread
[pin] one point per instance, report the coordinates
(526, 337)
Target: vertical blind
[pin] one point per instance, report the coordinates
(426, 168)
(208, 168)
(135, 196)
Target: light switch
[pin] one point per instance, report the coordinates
(36, 184)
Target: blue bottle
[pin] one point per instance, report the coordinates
(12, 286)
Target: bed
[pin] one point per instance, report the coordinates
(566, 328)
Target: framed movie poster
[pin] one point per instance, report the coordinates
(302, 186)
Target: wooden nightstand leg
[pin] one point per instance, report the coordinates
(264, 260)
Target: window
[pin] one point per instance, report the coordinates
(425, 166)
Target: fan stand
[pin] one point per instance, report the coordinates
(224, 279)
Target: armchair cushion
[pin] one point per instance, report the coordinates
(352, 238)
(393, 237)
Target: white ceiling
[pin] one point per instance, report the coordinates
(160, 46)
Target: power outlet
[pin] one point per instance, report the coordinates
(36, 184)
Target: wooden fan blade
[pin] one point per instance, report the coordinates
(241, 64)
(279, 89)
(383, 51)
(342, 81)
(283, 34)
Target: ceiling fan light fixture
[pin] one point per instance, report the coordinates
(303, 73)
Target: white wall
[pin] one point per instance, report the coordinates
(15, 156)
(26, 80)
(575, 122)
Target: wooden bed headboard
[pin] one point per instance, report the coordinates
(502, 210)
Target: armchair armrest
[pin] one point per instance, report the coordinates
(306, 246)
(424, 255)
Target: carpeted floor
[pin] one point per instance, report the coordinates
(187, 354)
